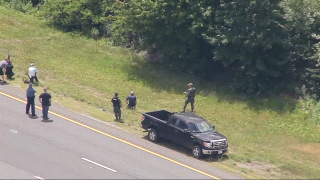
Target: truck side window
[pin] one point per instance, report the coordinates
(182, 125)
(173, 121)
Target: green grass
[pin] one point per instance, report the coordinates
(83, 74)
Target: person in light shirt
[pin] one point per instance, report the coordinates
(3, 65)
(33, 73)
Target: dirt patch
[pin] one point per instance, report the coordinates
(261, 168)
(312, 149)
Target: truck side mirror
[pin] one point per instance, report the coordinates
(214, 127)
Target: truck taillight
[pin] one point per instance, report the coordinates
(142, 118)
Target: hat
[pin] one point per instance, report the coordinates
(131, 92)
(31, 64)
(190, 84)
(30, 84)
(116, 94)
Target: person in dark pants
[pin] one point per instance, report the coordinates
(116, 106)
(30, 96)
(9, 70)
(191, 93)
(131, 100)
(45, 100)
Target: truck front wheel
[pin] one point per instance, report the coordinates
(153, 135)
(196, 151)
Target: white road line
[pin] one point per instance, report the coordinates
(99, 164)
(38, 177)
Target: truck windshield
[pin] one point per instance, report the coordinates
(200, 127)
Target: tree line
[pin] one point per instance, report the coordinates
(256, 46)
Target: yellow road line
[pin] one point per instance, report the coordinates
(121, 140)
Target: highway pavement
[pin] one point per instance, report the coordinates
(75, 146)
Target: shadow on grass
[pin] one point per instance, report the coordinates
(119, 121)
(159, 79)
(188, 152)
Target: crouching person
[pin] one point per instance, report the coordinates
(131, 100)
(9, 70)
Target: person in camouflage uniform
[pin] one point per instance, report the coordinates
(191, 93)
(116, 106)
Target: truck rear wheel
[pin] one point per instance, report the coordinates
(197, 152)
(153, 135)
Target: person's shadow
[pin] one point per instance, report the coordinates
(4, 84)
(33, 117)
(47, 120)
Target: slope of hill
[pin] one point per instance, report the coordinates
(269, 137)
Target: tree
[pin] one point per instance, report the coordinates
(80, 15)
(246, 36)
(303, 23)
(251, 39)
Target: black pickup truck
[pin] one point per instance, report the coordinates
(186, 129)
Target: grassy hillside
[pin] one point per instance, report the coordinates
(270, 137)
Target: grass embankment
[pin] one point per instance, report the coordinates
(270, 137)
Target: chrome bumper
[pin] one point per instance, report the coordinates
(220, 151)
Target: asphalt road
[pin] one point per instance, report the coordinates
(59, 149)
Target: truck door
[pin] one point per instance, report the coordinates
(171, 129)
(184, 138)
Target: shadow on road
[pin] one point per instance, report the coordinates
(188, 152)
(47, 121)
(33, 117)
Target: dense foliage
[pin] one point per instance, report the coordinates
(261, 45)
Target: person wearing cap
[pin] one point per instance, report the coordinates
(116, 106)
(3, 65)
(45, 100)
(33, 73)
(191, 93)
(30, 100)
(131, 100)
(9, 70)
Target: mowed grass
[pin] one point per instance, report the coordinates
(268, 137)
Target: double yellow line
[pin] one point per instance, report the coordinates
(116, 138)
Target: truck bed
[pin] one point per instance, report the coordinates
(162, 114)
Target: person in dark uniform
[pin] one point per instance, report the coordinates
(30, 97)
(191, 93)
(116, 106)
(9, 70)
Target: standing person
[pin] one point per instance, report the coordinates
(32, 73)
(3, 65)
(45, 100)
(30, 97)
(191, 93)
(9, 70)
(36, 76)
(131, 100)
(116, 106)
